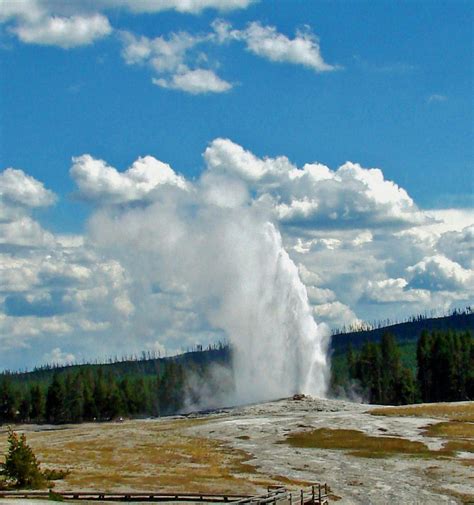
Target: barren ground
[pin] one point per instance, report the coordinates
(415, 455)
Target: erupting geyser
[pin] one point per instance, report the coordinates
(278, 349)
(219, 255)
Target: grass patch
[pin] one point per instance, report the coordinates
(459, 435)
(359, 444)
(291, 483)
(146, 456)
(450, 429)
(459, 446)
(464, 498)
(463, 412)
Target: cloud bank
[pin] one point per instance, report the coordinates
(157, 268)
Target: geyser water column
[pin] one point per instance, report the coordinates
(225, 263)
(278, 349)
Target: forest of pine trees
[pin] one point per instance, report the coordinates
(444, 372)
(445, 366)
(92, 394)
(445, 369)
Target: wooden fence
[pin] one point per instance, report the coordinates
(317, 494)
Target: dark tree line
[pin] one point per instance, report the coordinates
(92, 394)
(445, 366)
(120, 387)
(378, 371)
(445, 369)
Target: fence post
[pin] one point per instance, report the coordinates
(312, 494)
(302, 497)
(291, 499)
(320, 501)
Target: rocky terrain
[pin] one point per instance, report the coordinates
(378, 477)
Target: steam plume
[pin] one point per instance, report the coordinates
(222, 255)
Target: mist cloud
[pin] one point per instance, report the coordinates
(226, 263)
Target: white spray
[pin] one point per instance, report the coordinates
(228, 263)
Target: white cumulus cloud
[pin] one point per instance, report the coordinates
(98, 181)
(76, 23)
(268, 43)
(303, 50)
(195, 82)
(459, 246)
(163, 54)
(185, 6)
(439, 273)
(169, 58)
(176, 63)
(65, 32)
(18, 188)
(395, 290)
(160, 253)
(314, 195)
(335, 314)
(58, 357)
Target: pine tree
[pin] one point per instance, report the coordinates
(100, 395)
(423, 357)
(406, 389)
(171, 392)
(441, 367)
(369, 371)
(351, 361)
(90, 412)
(25, 407)
(37, 404)
(155, 396)
(113, 402)
(391, 369)
(21, 467)
(74, 398)
(466, 365)
(140, 393)
(7, 401)
(131, 402)
(470, 371)
(55, 401)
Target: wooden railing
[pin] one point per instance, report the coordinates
(141, 496)
(317, 494)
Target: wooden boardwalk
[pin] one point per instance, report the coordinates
(317, 494)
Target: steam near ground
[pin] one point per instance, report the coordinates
(215, 248)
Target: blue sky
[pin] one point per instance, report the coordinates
(376, 109)
(392, 89)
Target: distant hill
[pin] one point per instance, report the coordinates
(132, 367)
(405, 333)
(152, 386)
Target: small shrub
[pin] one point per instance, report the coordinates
(55, 474)
(22, 469)
(54, 496)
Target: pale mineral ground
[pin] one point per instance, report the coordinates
(413, 455)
